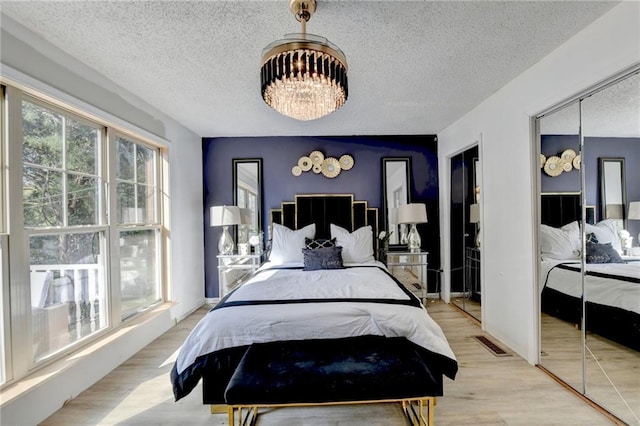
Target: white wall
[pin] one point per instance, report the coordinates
(608, 46)
(30, 58)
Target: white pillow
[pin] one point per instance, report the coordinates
(287, 245)
(357, 246)
(606, 232)
(559, 244)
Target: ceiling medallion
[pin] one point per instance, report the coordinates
(303, 76)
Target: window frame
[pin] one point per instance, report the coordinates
(17, 310)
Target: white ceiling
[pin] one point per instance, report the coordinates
(414, 67)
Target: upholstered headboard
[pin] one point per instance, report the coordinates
(324, 209)
(558, 209)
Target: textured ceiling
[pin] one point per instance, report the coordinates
(414, 67)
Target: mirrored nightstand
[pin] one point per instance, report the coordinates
(234, 269)
(410, 268)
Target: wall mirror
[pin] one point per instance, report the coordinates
(396, 189)
(588, 339)
(247, 194)
(613, 191)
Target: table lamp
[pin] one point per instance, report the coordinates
(225, 216)
(412, 214)
(474, 217)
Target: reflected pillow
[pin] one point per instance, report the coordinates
(287, 244)
(322, 258)
(606, 232)
(319, 243)
(357, 246)
(602, 253)
(560, 244)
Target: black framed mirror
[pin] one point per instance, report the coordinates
(613, 191)
(247, 194)
(396, 190)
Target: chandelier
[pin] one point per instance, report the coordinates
(303, 76)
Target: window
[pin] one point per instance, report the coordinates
(61, 195)
(85, 230)
(139, 230)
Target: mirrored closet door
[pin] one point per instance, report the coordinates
(466, 289)
(590, 263)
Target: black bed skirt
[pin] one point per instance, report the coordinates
(618, 325)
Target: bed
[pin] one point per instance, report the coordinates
(295, 297)
(612, 281)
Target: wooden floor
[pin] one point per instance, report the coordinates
(608, 364)
(488, 390)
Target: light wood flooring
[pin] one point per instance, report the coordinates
(608, 364)
(488, 390)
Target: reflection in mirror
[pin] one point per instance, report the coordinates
(613, 191)
(396, 172)
(590, 301)
(464, 243)
(611, 128)
(247, 194)
(560, 290)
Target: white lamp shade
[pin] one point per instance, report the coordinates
(634, 210)
(474, 213)
(412, 213)
(224, 215)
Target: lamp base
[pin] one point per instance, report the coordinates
(414, 240)
(225, 245)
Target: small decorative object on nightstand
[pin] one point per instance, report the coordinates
(409, 266)
(234, 269)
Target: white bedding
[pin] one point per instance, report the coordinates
(602, 290)
(242, 325)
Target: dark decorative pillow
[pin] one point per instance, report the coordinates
(322, 258)
(319, 243)
(592, 238)
(602, 253)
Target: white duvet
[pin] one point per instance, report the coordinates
(243, 325)
(607, 291)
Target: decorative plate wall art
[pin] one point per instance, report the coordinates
(568, 155)
(576, 162)
(316, 162)
(330, 167)
(346, 162)
(305, 164)
(316, 157)
(553, 166)
(565, 161)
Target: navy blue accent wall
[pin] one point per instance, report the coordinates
(595, 148)
(364, 180)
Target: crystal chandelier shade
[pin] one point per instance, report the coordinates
(304, 76)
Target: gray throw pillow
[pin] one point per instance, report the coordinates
(322, 258)
(602, 253)
(319, 243)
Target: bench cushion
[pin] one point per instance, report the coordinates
(366, 368)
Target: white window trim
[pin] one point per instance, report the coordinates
(18, 314)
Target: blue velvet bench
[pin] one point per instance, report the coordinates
(358, 370)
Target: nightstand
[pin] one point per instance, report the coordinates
(410, 268)
(234, 269)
